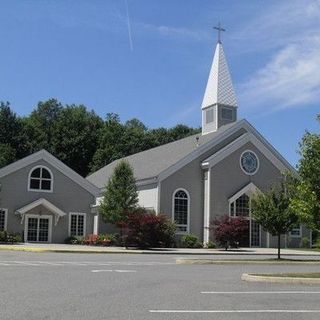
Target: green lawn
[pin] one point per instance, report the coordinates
(289, 275)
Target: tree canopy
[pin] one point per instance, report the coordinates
(77, 136)
(306, 201)
(272, 211)
(120, 196)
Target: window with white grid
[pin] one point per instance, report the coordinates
(40, 179)
(3, 217)
(181, 210)
(77, 224)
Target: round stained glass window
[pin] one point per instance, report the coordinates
(249, 162)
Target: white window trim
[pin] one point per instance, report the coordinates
(37, 216)
(188, 218)
(258, 163)
(295, 235)
(5, 218)
(40, 190)
(84, 222)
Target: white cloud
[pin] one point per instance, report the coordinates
(172, 32)
(291, 78)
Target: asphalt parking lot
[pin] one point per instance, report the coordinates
(121, 286)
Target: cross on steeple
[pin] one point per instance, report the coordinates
(220, 29)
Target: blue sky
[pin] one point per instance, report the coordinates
(153, 64)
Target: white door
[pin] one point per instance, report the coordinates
(38, 228)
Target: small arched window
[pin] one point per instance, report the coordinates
(40, 179)
(181, 210)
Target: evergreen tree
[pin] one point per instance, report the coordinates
(120, 196)
(272, 211)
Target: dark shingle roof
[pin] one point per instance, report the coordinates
(152, 162)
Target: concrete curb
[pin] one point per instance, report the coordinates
(39, 250)
(255, 278)
(245, 261)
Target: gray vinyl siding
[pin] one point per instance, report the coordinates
(67, 196)
(227, 179)
(191, 178)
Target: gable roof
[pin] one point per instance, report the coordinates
(219, 89)
(56, 163)
(149, 164)
(156, 164)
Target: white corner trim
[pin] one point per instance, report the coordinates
(5, 218)
(172, 211)
(84, 222)
(238, 143)
(40, 179)
(56, 163)
(249, 188)
(206, 218)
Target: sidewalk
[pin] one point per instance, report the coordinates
(65, 248)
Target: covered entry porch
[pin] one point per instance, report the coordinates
(38, 218)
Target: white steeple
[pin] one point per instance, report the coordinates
(219, 105)
(219, 88)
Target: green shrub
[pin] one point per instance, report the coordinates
(191, 241)
(3, 236)
(211, 245)
(305, 242)
(317, 244)
(74, 240)
(9, 237)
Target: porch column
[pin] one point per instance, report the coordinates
(206, 217)
(95, 223)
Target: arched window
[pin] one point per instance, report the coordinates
(40, 179)
(181, 210)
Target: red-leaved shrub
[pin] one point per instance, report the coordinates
(230, 232)
(147, 230)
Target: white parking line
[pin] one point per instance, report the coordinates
(260, 292)
(24, 263)
(234, 311)
(108, 270)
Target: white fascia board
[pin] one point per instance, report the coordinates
(200, 150)
(254, 131)
(51, 207)
(262, 145)
(56, 163)
(251, 187)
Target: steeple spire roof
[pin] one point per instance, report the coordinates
(219, 88)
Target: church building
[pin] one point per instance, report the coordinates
(193, 180)
(204, 176)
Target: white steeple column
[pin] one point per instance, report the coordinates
(219, 105)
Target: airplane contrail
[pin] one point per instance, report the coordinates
(129, 26)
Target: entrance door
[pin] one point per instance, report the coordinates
(255, 234)
(38, 229)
